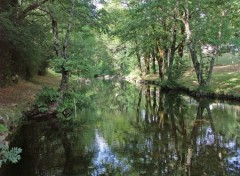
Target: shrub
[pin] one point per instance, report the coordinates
(45, 98)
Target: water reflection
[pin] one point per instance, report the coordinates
(133, 131)
(105, 159)
(49, 148)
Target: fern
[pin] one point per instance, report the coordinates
(12, 155)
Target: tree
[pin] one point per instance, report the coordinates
(74, 43)
(159, 29)
(203, 22)
(154, 32)
(23, 52)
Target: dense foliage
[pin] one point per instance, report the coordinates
(161, 31)
(23, 43)
(117, 37)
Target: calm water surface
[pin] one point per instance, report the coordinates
(122, 129)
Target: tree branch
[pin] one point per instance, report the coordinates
(30, 8)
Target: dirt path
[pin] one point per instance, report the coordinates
(24, 92)
(227, 68)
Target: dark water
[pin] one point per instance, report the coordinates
(124, 130)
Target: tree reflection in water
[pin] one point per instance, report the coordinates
(131, 131)
(175, 142)
(50, 148)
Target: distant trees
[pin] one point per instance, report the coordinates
(155, 33)
(163, 32)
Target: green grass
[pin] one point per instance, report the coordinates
(228, 59)
(224, 80)
(151, 77)
(227, 82)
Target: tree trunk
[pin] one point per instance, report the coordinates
(147, 64)
(173, 47)
(210, 70)
(139, 104)
(65, 73)
(154, 62)
(181, 44)
(196, 64)
(55, 37)
(159, 57)
(192, 48)
(147, 104)
(172, 51)
(139, 62)
(165, 47)
(138, 58)
(165, 60)
(52, 110)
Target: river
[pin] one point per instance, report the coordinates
(123, 129)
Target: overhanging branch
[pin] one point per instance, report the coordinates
(30, 8)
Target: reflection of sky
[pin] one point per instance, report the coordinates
(234, 161)
(105, 157)
(143, 114)
(209, 139)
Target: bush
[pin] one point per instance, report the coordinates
(180, 66)
(46, 97)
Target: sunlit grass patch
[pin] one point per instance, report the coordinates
(225, 79)
(51, 79)
(226, 82)
(151, 77)
(228, 59)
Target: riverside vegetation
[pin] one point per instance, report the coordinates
(185, 45)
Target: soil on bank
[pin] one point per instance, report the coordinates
(227, 68)
(24, 92)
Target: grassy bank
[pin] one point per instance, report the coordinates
(225, 80)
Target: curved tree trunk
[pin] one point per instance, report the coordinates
(52, 110)
(192, 47)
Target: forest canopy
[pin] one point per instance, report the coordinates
(91, 37)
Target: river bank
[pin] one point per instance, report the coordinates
(225, 83)
(16, 98)
(111, 131)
